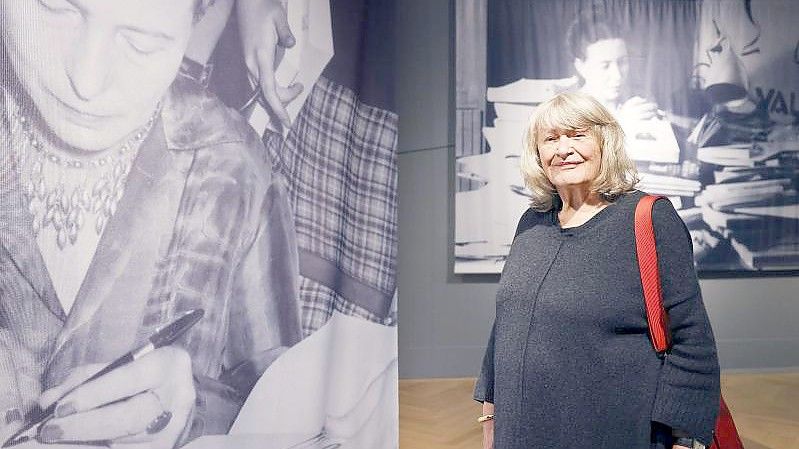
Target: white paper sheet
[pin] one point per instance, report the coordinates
(342, 380)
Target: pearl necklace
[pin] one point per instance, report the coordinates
(99, 189)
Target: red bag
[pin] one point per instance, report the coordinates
(725, 435)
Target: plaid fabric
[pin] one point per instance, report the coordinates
(319, 303)
(340, 163)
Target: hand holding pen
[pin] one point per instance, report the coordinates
(144, 397)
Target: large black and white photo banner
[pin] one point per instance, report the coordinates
(205, 192)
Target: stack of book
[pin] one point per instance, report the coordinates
(678, 181)
(750, 154)
(752, 176)
(753, 204)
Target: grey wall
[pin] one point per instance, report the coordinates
(445, 319)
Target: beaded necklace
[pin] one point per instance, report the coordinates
(61, 192)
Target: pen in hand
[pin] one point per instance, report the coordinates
(164, 337)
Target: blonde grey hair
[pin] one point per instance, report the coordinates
(571, 111)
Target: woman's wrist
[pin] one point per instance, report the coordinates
(485, 418)
(688, 442)
(683, 439)
(488, 413)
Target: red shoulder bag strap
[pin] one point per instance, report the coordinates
(650, 276)
(725, 435)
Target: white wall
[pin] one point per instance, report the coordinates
(445, 319)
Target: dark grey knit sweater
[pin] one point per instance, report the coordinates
(569, 363)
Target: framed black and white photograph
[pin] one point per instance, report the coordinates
(706, 92)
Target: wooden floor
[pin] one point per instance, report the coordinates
(440, 414)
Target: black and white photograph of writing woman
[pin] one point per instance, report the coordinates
(569, 363)
(128, 197)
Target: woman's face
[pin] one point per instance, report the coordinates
(605, 69)
(569, 158)
(95, 69)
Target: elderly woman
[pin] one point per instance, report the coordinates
(569, 363)
(128, 196)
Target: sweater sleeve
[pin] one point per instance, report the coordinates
(688, 390)
(484, 388)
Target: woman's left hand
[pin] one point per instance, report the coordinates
(146, 403)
